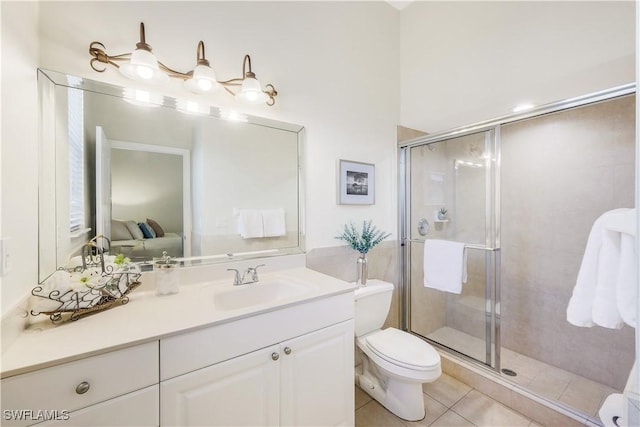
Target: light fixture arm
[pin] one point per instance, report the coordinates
(99, 55)
(200, 56)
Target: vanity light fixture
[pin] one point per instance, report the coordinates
(142, 65)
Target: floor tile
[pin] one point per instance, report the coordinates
(362, 398)
(451, 419)
(375, 415)
(433, 409)
(446, 390)
(484, 411)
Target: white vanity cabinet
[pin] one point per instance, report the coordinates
(292, 366)
(116, 388)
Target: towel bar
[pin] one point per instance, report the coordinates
(468, 246)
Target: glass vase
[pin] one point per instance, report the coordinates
(363, 270)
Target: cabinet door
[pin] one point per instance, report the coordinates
(242, 391)
(317, 372)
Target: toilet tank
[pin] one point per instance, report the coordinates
(372, 303)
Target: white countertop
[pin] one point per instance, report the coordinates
(148, 317)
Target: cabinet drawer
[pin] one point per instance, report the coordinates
(78, 384)
(194, 350)
(140, 408)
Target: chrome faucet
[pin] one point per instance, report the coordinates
(252, 273)
(236, 279)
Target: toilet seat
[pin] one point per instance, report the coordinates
(403, 349)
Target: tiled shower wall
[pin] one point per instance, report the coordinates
(560, 172)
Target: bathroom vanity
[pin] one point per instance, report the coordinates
(276, 352)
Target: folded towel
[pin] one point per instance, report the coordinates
(595, 298)
(250, 223)
(626, 287)
(273, 222)
(445, 265)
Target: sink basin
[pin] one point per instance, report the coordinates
(253, 294)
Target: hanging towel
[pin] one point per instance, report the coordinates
(250, 223)
(273, 222)
(605, 304)
(627, 288)
(445, 265)
(595, 298)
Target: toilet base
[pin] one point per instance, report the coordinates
(403, 399)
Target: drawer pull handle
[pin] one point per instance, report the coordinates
(83, 387)
(287, 350)
(275, 356)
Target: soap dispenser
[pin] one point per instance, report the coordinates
(167, 275)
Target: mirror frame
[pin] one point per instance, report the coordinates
(51, 254)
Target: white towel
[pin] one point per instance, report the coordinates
(605, 305)
(250, 223)
(627, 288)
(273, 222)
(595, 298)
(445, 265)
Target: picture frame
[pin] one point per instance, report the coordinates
(356, 183)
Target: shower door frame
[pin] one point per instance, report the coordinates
(404, 205)
(491, 245)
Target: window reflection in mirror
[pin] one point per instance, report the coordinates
(158, 179)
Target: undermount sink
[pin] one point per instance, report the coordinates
(262, 292)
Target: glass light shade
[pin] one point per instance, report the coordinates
(203, 80)
(143, 66)
(251, 91)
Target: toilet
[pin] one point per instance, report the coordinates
(395, 363)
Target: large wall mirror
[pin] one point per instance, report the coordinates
(153, 177)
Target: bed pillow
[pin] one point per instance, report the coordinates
(147, 231)
(156, 227)
(135, 231)
(119, 230)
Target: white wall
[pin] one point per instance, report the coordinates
(464, 62)
(19, 168)
(334, 64)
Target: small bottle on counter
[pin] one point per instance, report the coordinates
(167, 275)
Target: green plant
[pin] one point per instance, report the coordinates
(443, 211)
(365, 240)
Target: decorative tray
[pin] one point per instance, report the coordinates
(91, 283)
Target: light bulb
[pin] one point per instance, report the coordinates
(251, 91)
(205, 84)
(144, 72)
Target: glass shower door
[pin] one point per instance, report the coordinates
(456, 175)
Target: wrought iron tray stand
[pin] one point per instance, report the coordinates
(111, 290)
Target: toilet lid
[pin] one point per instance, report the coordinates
(403, 349)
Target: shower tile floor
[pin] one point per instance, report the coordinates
(534, 375)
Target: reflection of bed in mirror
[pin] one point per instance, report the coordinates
(144, 240)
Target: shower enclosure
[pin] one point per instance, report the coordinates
(521, 193)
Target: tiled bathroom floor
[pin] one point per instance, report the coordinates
(449, 402)
(538, 377)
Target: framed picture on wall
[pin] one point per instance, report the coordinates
(356, 183)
